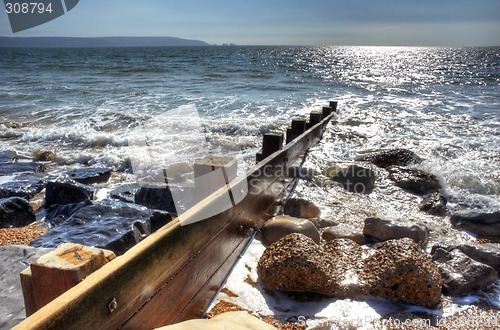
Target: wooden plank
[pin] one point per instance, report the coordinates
(193, 259)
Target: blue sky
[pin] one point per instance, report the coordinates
(284, 22)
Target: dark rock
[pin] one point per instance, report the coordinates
(336, 232)
(482, 222)
(155, 197)
(125, 193)
(488, 253)
(7, 156)
(400, 271)
(382, 230)
(280, 226)
(13, 260)
(462, 274)
(89, 175)
(356, 179)
(413, 180)
(66, 192)
(57, 214)
(114, 227)
(434, 204)
(392, 157)
(301, 208)
(25, 186)
(15, 212)
(297, 264)
(44, 155)
(14, 168)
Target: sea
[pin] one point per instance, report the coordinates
(134, 109)
(119, 106)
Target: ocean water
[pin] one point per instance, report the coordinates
(91, 106)
(129, 108)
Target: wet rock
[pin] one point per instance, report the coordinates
(462, 274)
(66, 192)
(383, 229)
(155, 197)
(413, 180)
(15, 212)
(57, 214)
(89, 175)
(355, 179)
(280, 226)
(434, 204)
(44, 155)
(323, 223)
(25, 186)
(7, 156)
(14, 168)
(400, 271)
(115, 227)
(488, 253)
(125, 193)
(392, 157)
(297, 264)
(301, 208)
(482, 222)
(13, 260)
(336, 232)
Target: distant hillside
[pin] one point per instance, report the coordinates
(97, 42)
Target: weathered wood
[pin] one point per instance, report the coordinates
(296, 129)
(175, 272)
(58, 271)
(271, 142)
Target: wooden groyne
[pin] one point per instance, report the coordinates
(175, 273)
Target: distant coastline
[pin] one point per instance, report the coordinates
(55, 42)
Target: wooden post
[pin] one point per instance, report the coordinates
(271, 143)
(58, 271)
(333, 105)
(207, 176)
(298, 127)
(314, 118)
(326, 111)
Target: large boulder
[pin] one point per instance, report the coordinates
(57, 214)
(355, 179)
(392, 157)
(434, 204)
(297, 264)
(414, 181)
(301, 208)
(15, 212)
(88, 175)
(14, 168)
(282, 225)
(399, 270)
(115, 227)
(462, 274)
(384, 229)
(156, 197)
(66, 192)
(125, 193)
(482, 222)
(487, 253)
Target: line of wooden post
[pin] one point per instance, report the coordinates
(273, 141)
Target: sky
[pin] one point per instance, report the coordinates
(283, 22)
